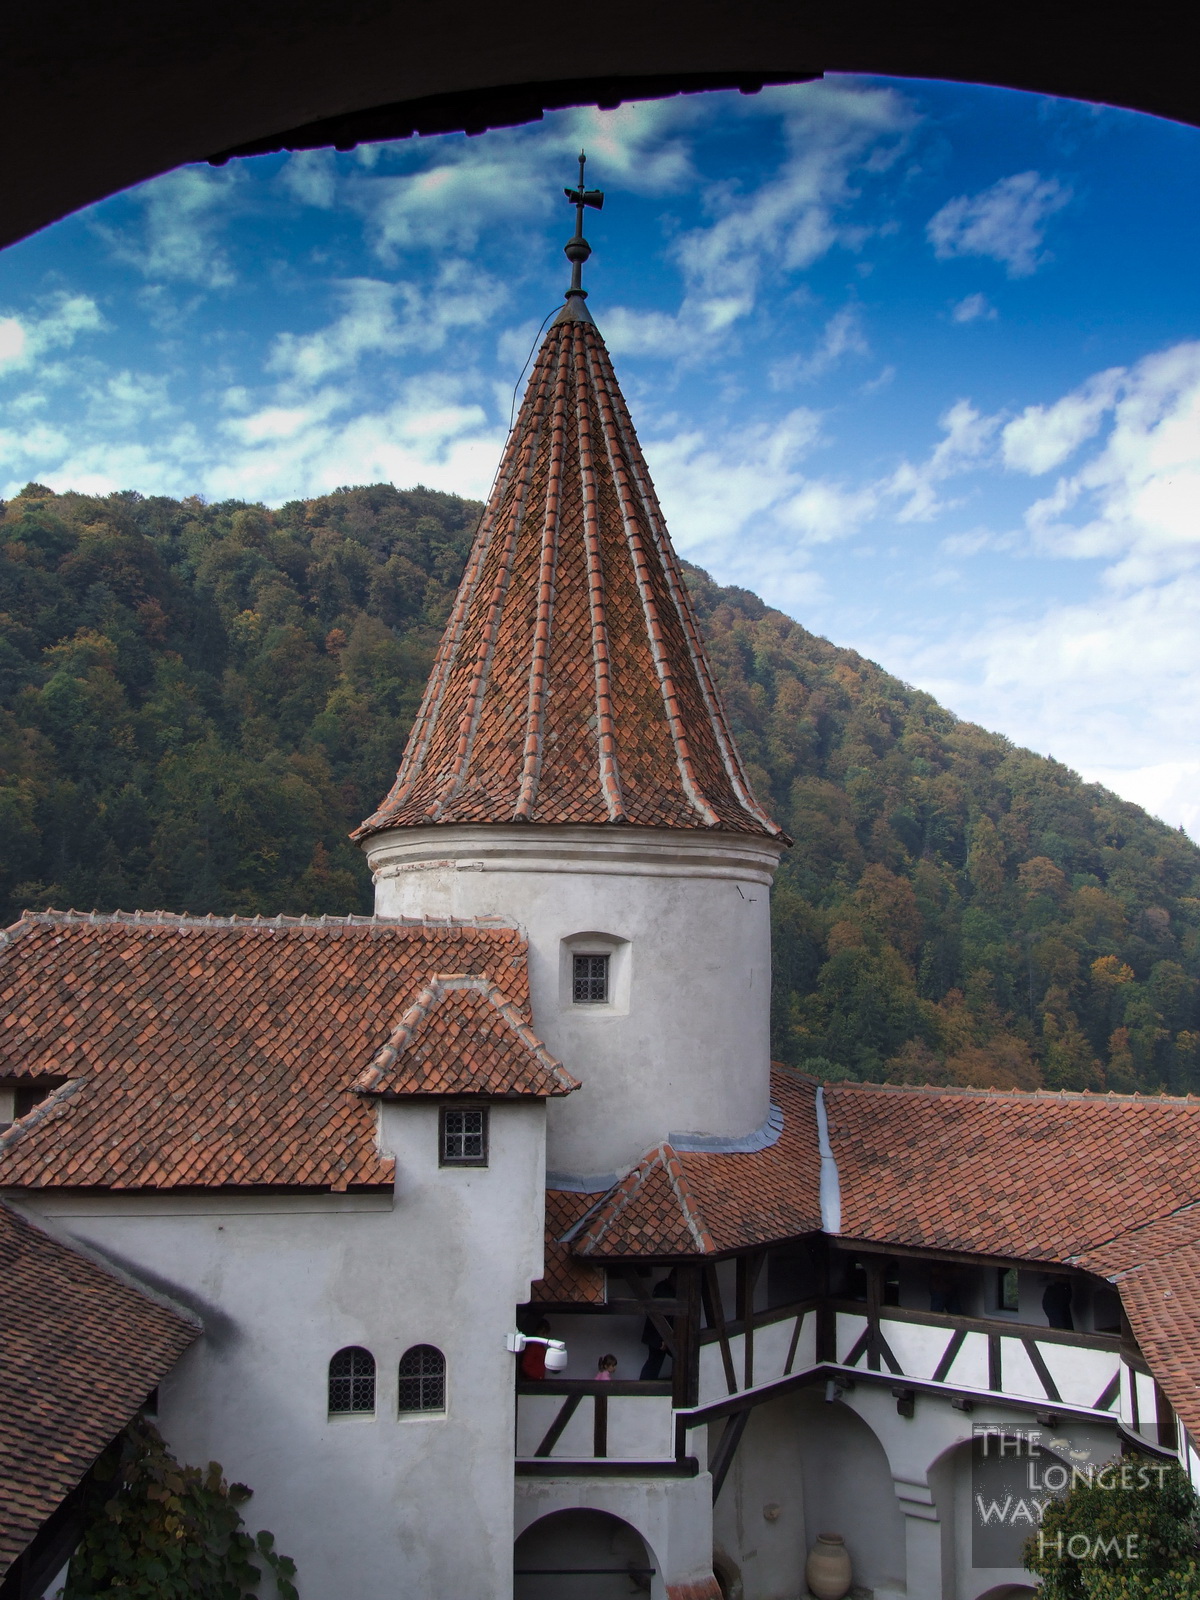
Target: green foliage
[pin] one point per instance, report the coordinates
(197, 703)
(1131, 1534)
(154, 1530)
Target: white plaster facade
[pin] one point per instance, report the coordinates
(684, 1044)
(374, 1507)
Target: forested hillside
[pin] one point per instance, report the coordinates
(197, 702)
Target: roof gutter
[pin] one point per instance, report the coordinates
(831, 1188)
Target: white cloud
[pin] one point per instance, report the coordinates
(24, 339)
(519, 173)
(789, 222)
(974, 307)
(1139, 492)
(1083, 682)
(1042, 437)
(713, 489)
(1107, 684)
(389, 318)
(780, 227)
(434, 433)
(183, 214)
(842, 336)
(311, 177)
(1006, 222)
(967, 445)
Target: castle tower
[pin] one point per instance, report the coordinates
(571, 768)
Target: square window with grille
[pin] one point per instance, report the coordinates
(464, 1137)
(422, 1379)
(351, 1381)
(590, 980)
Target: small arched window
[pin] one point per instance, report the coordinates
(351, 1381)
(422, 1379)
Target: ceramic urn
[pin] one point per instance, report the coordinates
(827, 1570)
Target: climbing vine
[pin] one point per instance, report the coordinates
(156, 1530)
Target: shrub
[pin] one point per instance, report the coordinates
(1132, 1533)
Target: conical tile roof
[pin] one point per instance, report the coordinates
(571, 685)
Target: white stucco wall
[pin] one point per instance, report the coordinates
(370, 1507)
(685, 1044)
(673, 1516)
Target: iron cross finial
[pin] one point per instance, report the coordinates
(577, 250)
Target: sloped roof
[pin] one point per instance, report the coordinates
(212, 1052)
(567, 1280)
(1156, 1268)
(80, 1349)
(463, 1036)
(572, 685)
(681, 1203)
(1039, 1175)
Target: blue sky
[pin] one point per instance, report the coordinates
(917, 362)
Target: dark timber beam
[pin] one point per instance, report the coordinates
(99, 97)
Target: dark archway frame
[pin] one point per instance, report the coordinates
(98, 98)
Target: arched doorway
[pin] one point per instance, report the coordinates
(582, 1554)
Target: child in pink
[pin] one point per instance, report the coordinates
(605, 1369)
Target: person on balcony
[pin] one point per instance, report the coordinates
(1056, 1303)
(605, 1368)
(656, 1349)
(533, 1357)
(943, 1292)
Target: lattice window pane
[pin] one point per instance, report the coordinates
(590, 986)
(464, 1136)
(352, 1381)
(422, 1379)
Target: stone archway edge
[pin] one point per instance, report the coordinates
(201, 78)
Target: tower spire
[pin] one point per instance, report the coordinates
(572, 685)
(577, 249)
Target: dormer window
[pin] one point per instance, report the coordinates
(464, 1137)
(590, 980)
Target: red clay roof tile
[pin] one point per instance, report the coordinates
(1036, 1175)
(572, 685)
(684, 1203)
(462, 1036)
(80, 1349)
(207, 1052)
(566, 1280)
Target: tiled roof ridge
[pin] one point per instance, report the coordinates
(429, 996)
(572, 582)
(1129, 1236)
(1089, 1096)
(42, 1112)
(618, 424)
(184, 919)
(612, 1205)
(688, 1201)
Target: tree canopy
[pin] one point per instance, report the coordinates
(197, 702)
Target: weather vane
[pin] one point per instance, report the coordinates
(577, 250)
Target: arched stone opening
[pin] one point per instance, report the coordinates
(992, 1569)
(849, 1489)
(581, 1554)
(376, 72)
